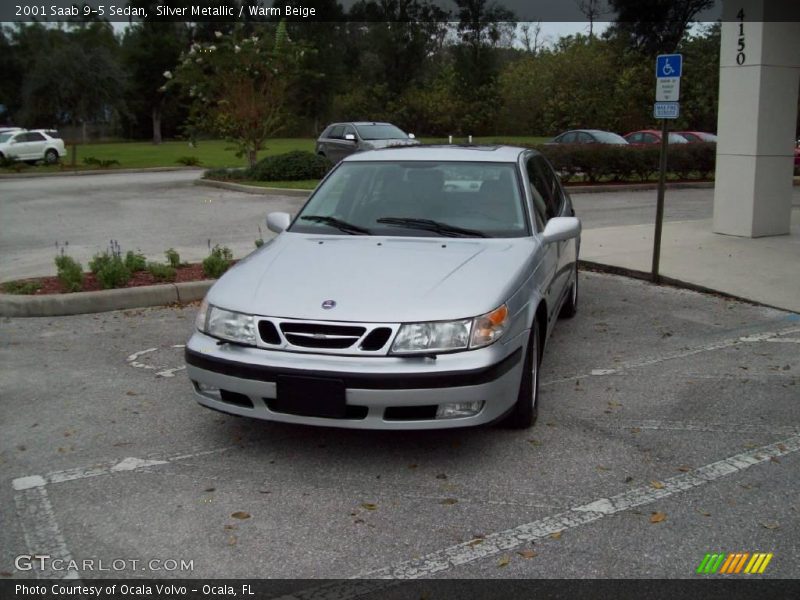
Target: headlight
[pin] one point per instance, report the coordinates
(200, 319)
(489, 327)
(229, 325)
(441, 336)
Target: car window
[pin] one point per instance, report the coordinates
(34, 136)
(585, 138)
(568, 138)
(4, 137)
(548, 197)
(649, 138)
(606, 137)
(634, 138)
(380, 131)
(483, 197)
(337, 132)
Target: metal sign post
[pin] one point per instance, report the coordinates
(668, 86)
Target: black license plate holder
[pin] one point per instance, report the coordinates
(310, 397)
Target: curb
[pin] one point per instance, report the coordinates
(97, 172)
(253, 189)
(588, 265)
(79, 303)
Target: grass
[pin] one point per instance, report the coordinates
(22, 287)
(213, 153)
(305, 184)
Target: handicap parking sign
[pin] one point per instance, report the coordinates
(669, 65)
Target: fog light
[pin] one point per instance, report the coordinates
(206, 389)
(454, 410)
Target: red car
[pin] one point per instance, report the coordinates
(653, 136)
(698, 136)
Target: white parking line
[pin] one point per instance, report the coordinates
(465, 553)
(769, 336)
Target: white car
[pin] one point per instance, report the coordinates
(32, 146)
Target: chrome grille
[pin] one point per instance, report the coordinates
(328, 337)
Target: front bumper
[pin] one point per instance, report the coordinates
(381, 392)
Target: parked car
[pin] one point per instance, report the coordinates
(697, 136)
(343, 139)
(588, 136)
(31, 146)
(416, 289)
(653, 136)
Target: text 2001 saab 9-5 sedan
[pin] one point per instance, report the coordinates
(416, 289)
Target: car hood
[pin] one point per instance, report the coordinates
(375, 279)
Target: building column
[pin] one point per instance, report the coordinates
(757, 120)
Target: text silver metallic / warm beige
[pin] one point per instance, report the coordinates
(416, 289)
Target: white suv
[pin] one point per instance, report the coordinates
(32, 146)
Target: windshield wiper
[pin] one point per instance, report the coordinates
(338, 224)
(431, 225)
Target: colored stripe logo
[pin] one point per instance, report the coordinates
(734, 563)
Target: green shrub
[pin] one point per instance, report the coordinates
(70, 273)
(291, 166)
(111, 270)
(217, 262)
(173, 258)
(161, 271)
(135, 262)
(226, 174)
(103, 163)
(22, 287)
(189, 161)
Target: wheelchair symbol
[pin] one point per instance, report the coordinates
(667, 68)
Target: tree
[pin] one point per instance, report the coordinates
(591, 9)
(239, 86)
(654, 26)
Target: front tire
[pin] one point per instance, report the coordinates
(526, 410)
(570, 307)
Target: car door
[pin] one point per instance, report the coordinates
(35, 145)
(349, 146)
(549, 185)
(328, 143)
(538, 188)
(16, 146)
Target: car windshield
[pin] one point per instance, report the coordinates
(4, 137)
(606, 137)
(417, 199)
(380, 131)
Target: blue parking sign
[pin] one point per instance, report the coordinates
(669, 65)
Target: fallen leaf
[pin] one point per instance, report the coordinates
(602, 468)
(357, 521)
(264, 491)
(657, 484)
(210, 489)
(231, 526)
(774, 459)
(751, 445)
(131, 393)
(534, 442)
(527, 553)
(441, 476)
(658, 517)
(369, 506)
(628, 479)
(412, 466)
(503, 562)
(5, 574)
(555, 536)
(684, 468)
(474, 543)
(636, 430)
(232, 540)
(449, 501)
(770, 524)
(240, 514)
(781, 447)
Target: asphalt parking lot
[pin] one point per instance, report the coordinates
(668, 429)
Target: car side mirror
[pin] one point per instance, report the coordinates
(411, 136)
(350, 137)
(278, 221)
(559, 229)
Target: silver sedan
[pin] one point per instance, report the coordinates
(416, 289)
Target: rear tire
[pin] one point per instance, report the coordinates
(526, 409)
(570, 307)
(51, 157)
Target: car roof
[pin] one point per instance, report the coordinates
(443, 153)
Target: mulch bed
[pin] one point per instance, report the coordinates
(52, 285)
